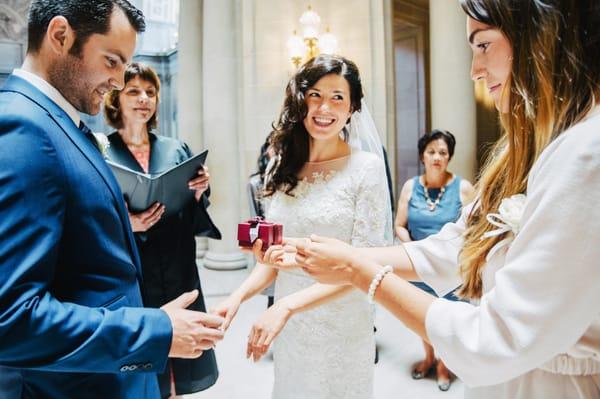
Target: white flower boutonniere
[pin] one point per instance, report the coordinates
(102, 143)
(508, 220)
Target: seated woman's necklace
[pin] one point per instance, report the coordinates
(433, 204)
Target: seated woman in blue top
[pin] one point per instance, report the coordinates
(427, 202)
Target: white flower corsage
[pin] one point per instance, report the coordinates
(102, 143)
(508, 220)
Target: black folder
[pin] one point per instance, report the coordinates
(170, 187)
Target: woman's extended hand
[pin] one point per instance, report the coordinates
(200, 184)
(266, 328)
(144, 220)
(328, 260)
(278, 256)
(227, 309)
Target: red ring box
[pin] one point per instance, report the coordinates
(250, 230)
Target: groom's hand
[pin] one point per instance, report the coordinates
(193, 332)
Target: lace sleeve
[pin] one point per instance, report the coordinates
(372, 206)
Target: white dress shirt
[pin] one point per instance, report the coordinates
(535, 333)
(51, 92)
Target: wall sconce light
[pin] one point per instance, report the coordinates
(328, 42)
(310, 44)
(296, 48)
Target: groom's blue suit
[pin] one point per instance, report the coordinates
(71, 322)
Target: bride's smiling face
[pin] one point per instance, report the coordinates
(328, 103)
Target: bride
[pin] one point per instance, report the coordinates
(329, 180)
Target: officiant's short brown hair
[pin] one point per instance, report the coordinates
(112, 112)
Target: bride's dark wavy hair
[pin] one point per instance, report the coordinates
(290, 139)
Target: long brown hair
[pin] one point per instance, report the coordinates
(289, 139)
(554, 82)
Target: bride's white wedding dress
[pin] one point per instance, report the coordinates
(328, 352)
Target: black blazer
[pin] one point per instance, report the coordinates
(168, 256)
(165, 153)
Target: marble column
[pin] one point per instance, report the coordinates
(452, 96)
(380, 98)
(189, 86)
(220, 113)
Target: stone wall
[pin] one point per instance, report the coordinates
(13, 35)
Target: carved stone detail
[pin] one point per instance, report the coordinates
(13, 20)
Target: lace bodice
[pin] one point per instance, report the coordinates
(327, 352)
(348, 204)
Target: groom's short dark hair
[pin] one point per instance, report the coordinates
(86, 17)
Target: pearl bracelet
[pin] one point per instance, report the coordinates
(376, 281)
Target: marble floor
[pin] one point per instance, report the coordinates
(239, 378)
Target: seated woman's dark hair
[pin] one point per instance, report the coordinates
(112, 110)
(436, 134)
(290, 139)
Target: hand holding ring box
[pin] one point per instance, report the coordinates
(269, 233)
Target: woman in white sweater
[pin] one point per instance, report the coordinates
(526, 252)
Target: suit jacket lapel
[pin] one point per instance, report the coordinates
(161, 156)
(85, 146)
(156, 154)
(95, 157)
(119, 153)
(164, 155)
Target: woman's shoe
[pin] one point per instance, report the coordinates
(443, 385)
(418, 374)
(444, 377)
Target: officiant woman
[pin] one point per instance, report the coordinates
(166, 245)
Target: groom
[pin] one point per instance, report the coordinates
(72, 323)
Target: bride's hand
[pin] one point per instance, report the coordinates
(278, 256)
(327, 260)
(265, 329)
(226, 309)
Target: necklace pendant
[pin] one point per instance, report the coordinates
(431, 207)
